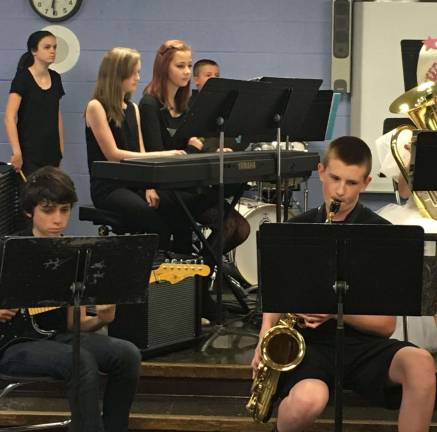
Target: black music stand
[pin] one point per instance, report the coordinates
(317, 121)
(318, 125)
(289, 120)
(410, 49)
(391, 283)
(304, 93)
(207, 117)
(305, 118)
(232, 108)
(423, 172)
(60, 271)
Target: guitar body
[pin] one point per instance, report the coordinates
(21, 328)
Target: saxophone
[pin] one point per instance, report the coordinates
(282, 349)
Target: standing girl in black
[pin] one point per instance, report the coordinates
(113, 133)
(32, 117)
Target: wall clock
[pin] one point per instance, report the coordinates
(55, 10)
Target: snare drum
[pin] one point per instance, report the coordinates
(245, 256)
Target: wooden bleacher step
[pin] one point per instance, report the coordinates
(188, 397)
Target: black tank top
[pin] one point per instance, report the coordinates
(126, 138)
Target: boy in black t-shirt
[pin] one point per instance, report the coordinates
(383, 370)
(48, 197)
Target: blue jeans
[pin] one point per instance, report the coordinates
(118, 359)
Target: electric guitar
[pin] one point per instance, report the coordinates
(23, 327)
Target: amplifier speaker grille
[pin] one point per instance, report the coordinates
(169, 318)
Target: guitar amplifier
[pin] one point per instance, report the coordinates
(168, 320)
(11, 215)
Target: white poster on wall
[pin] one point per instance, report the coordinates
(377, 73)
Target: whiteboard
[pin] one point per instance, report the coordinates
(377, 78)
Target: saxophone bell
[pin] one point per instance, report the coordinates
(282, 349)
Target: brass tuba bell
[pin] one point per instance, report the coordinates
(419, 104)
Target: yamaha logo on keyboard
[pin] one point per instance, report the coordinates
(246, 165)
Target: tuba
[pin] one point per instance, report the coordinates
(419, 104)
(282, 349)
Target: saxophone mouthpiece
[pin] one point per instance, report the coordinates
(334, 207)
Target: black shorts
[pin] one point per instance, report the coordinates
(366, 365)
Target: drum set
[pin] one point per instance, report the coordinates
(258, 207)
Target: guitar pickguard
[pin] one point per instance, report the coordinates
(21, 328)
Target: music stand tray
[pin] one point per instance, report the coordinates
(424, 153)
(382, 280)
(303, 94)
(40, 271)
(247, 107)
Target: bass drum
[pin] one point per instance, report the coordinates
(245, 255)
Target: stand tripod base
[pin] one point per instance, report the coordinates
(226, 329)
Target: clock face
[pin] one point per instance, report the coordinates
(55, 10)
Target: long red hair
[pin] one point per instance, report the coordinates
(157, 87)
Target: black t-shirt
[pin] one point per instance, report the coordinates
(158, 127)
(38, 116)
(359, 215)
(126, 138)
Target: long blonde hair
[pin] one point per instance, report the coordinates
(117, 65)
(158, 86)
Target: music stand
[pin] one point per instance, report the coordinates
(60, 271)
(410, 49)
(232, 108)
(303, 93)
(422, 171)
(359, 271)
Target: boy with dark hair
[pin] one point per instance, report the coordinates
(203, 70)
(48, 198)
(384, 370)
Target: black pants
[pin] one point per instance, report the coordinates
(136, 214)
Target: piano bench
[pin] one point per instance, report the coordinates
(107, 221)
